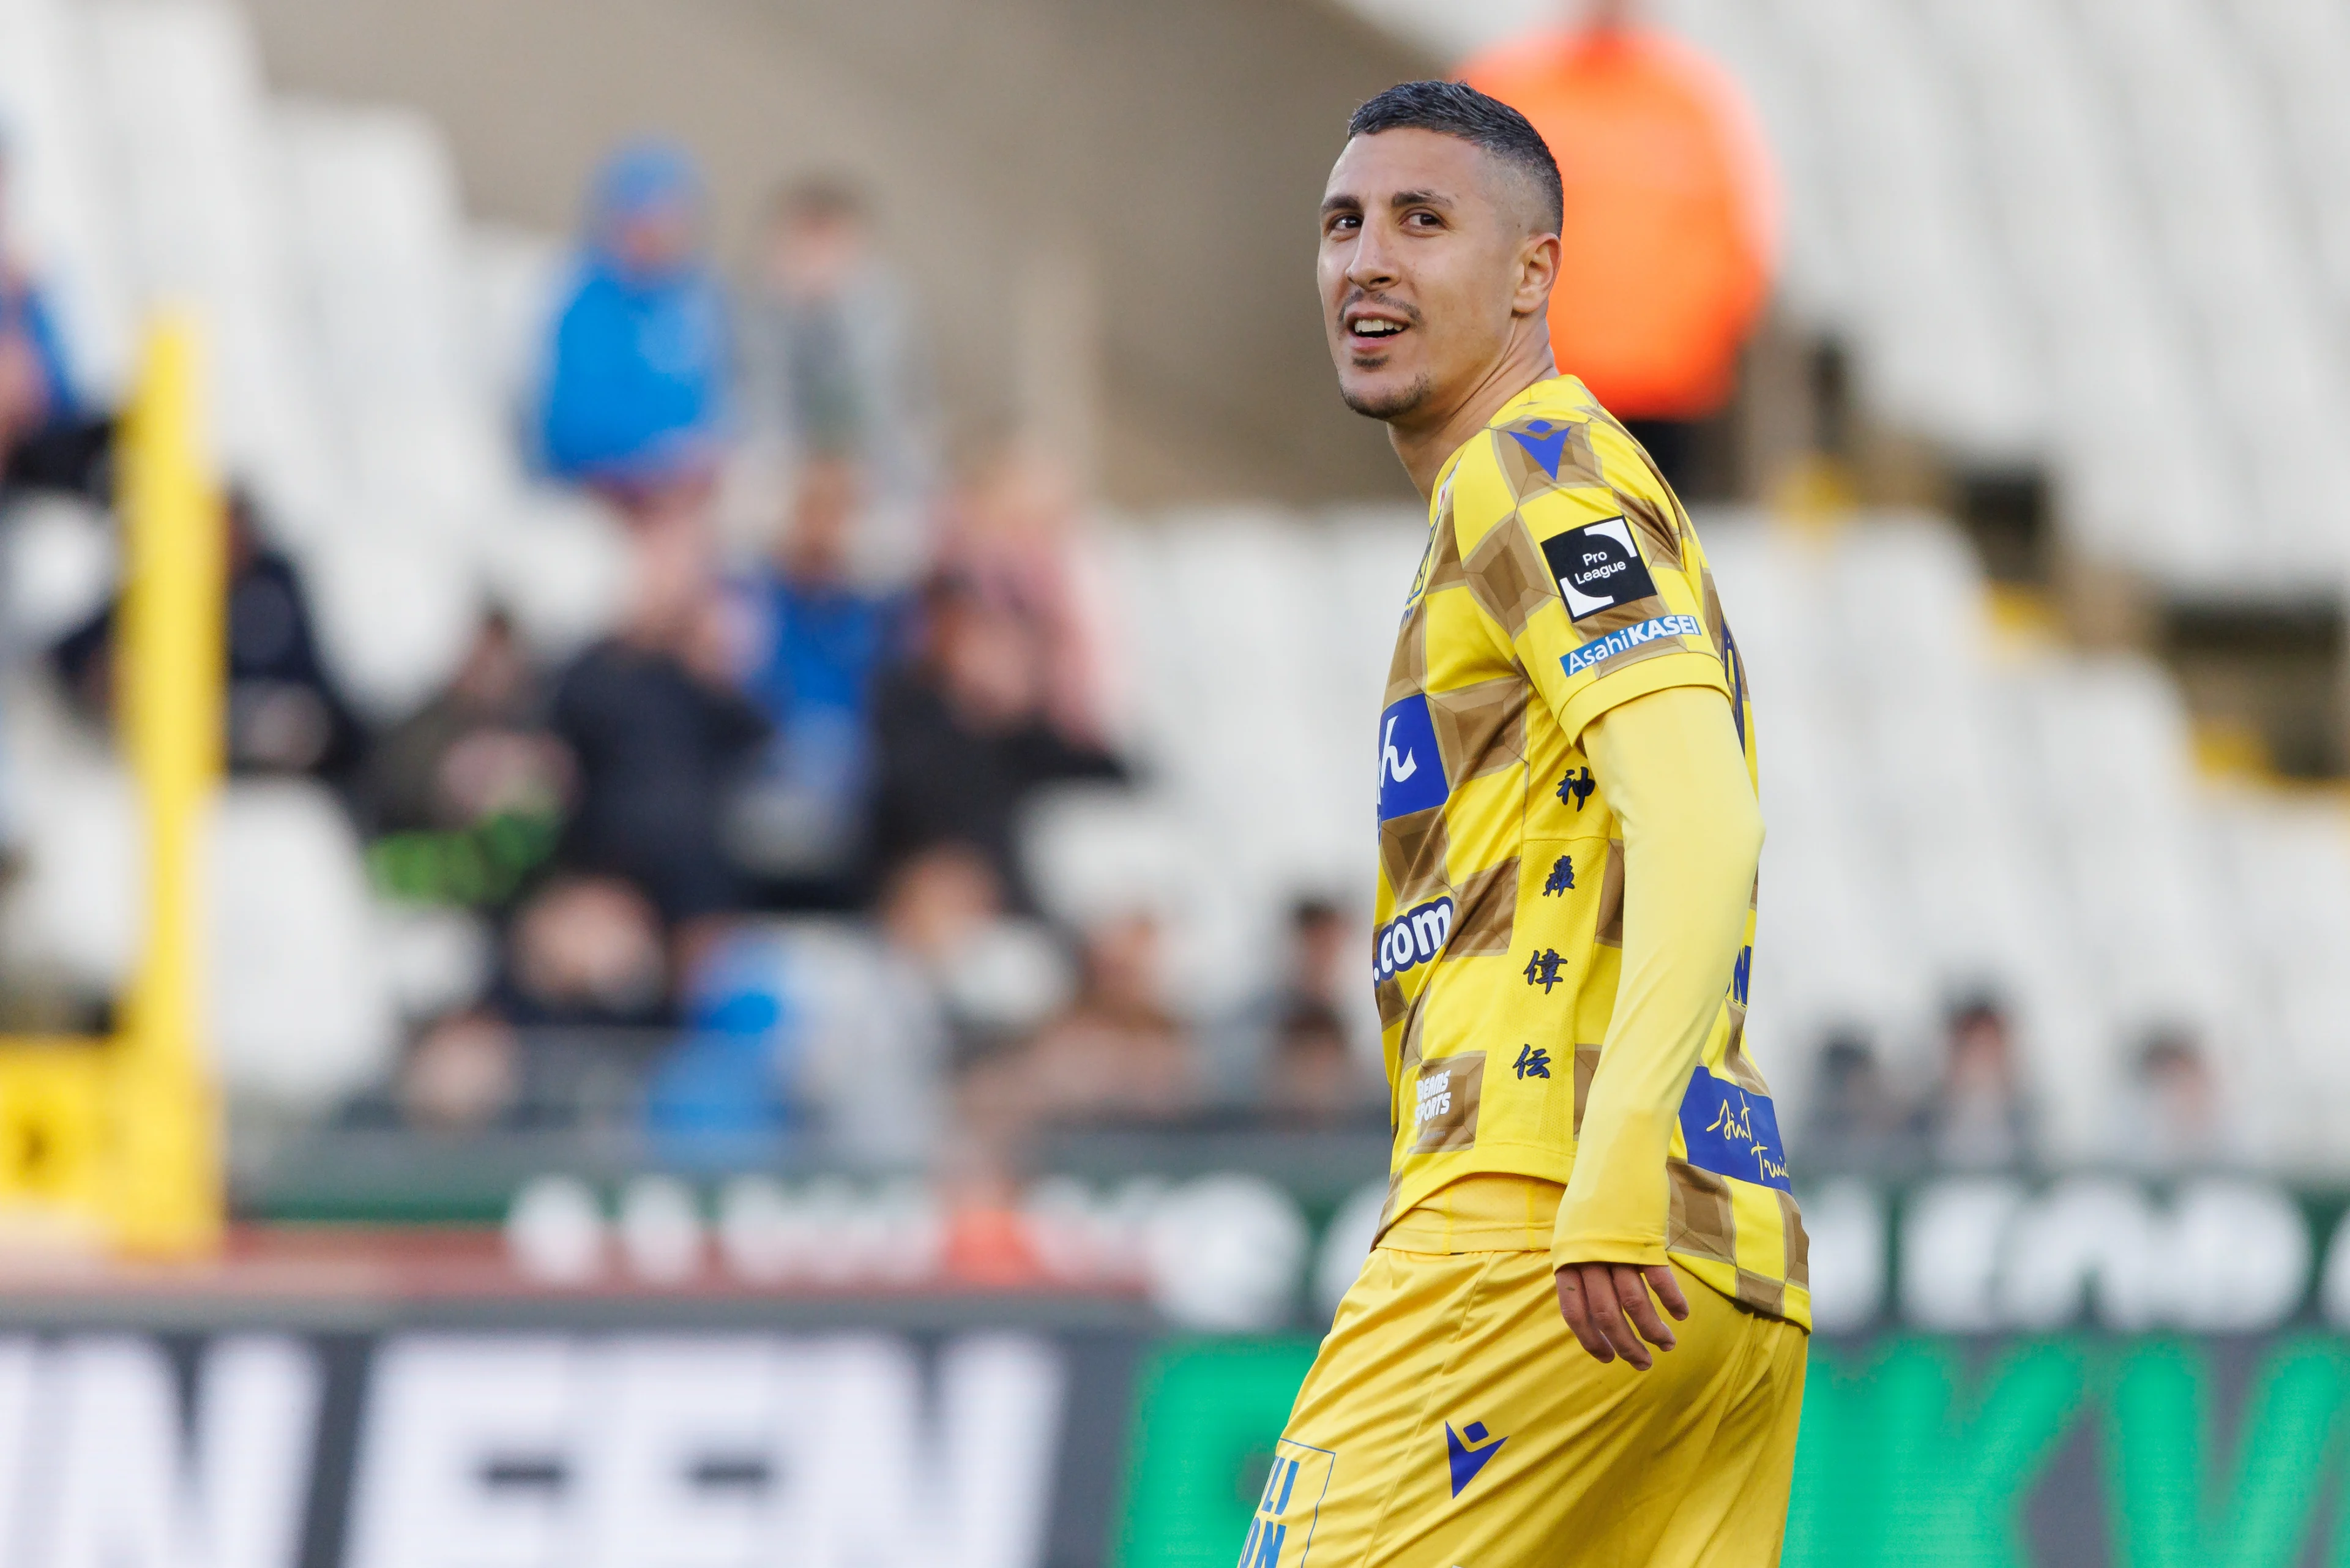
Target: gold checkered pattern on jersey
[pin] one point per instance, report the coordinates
(1500, 886)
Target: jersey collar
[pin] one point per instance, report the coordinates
(1548, 392)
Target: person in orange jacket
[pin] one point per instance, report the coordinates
(1671, 206)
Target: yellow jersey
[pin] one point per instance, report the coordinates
(1561, 578)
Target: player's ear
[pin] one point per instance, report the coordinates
(1537, 270)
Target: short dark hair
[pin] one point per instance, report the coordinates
(1305, 1023)
(2166, 1049)
(817, 198)
(1969, 1008)
(1312, 910)
(1456, 108)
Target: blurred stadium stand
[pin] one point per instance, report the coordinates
(1953, 807)
(2104, 237)
(2100, 200)
(1093, 165)
(364, 370)
(2095, 237)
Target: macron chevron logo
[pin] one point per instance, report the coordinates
(1544, 441)
(1468, 1456)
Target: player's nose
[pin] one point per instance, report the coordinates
(1372, 264)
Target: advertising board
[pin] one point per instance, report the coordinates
(2078, 1371)
(1998, 1452)
(719, 1448)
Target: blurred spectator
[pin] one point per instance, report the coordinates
(462, 1075)
(936, 905)
(584, 956)
(1115, 1055)
(937, 914)
(870, 1029)
(471, 789)
(1016, 534)
(721, 1095)
(986, 976)
(962, 741)
(2173, 1116)
(1856, 1123)
(817, 1023)
(832, 360)
(1313, 1075)
(1315, 973)
(1671, 215)
(820, 641)
(285, 713)
(660, 736)
(47, 441)
(585, 952)
(635, 377)
(1979, 1118)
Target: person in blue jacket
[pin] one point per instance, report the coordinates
(48, 439)
(635, 392)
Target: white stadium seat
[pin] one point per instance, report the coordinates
(375, 225)
(300, 1010)
(396, 612)
(186, 133)
(557, 563)
(73, 914)
(302, 1007)
(61, 207)
(56, 568)
(508, 278)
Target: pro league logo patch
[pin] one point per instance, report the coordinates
(1597, 567)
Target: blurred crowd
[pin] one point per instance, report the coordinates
(1978, 1113)
(754, 859)
(755, 865)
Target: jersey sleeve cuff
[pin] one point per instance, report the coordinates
(1643, 1252)
(1689, 669)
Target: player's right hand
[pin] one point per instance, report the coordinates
(1608, 1306)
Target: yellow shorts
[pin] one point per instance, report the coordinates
(1451, 1421)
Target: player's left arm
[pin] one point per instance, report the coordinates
(1672, 766)
(1597, 591)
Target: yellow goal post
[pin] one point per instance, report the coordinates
(113, 1143)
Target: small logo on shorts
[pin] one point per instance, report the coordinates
(1470, 1451)
(1281, 1535)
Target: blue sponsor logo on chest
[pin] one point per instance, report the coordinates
(1732, 1133)
(1412, 769)
(1627, 639)
(1411, 939)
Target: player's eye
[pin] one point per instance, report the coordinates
(1343, 223)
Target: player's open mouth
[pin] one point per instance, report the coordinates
(1375, 331)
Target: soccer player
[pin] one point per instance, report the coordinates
(1567, 838)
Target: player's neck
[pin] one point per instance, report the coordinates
(1424, 448)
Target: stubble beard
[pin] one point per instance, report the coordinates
(1391, 406)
